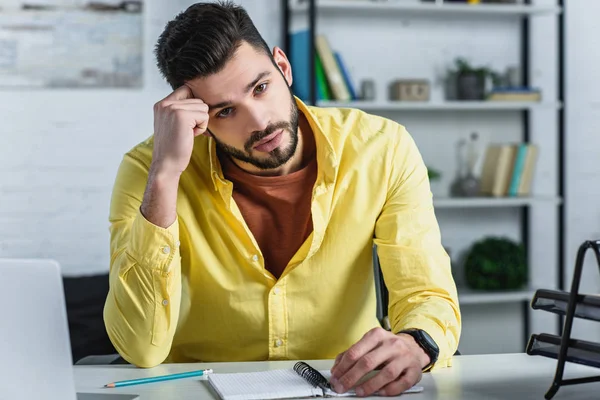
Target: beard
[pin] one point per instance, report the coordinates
(277, 157)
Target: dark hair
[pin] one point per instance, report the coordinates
(202, 39)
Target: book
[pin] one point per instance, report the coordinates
(528, 170)
(332, 70)
(517, 173)
(497, 169)
(301, 381)
(324, 92)
(346, 75)
(299, 59)
(514, 94)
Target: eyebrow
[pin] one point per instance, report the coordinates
(249, 87)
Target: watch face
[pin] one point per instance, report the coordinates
(429, 340)
(426, 342)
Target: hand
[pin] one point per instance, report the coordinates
(178, 119)
(399, 357)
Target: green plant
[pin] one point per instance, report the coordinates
(462, 66)
(495, 264)
(433, 174)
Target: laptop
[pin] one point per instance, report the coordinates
(35, 350)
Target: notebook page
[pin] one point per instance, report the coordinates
(351, 393)
(276, 384)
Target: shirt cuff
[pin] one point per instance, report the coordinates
(153, 246)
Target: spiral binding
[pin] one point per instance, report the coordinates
(311, 375)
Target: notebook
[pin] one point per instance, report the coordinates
(301, 381)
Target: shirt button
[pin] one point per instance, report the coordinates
(276, 290)
(178, 243)
(166, 249)
(278, 343)
(165, 302)
(255, 258)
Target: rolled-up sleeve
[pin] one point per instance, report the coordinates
(142, 306)
(415, 266)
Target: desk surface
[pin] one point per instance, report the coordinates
(480, 377)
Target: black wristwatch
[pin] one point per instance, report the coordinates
(426, 343)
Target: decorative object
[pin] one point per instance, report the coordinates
(470, 81)
(456, 187)
(367, 89)
(496, 263)
(513, 77)
(72, 44)
(466, 183)
(409, 90)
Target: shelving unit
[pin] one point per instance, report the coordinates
(439, 106)
(472, 297)
(527, 113)
(487, 202)
(427, 8)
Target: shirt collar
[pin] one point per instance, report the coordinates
(327, 159)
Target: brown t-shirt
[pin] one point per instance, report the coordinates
(276, 210)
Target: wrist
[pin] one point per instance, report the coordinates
(424, 359)
(427, 345)
(159, 205)
(163, 175)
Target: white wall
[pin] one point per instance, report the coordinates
(61, 149)
(583, 144)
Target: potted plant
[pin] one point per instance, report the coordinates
(435, 177)
(496, 263)
(471, 81)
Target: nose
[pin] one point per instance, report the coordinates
(258, 118)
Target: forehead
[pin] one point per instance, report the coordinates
(231, 81)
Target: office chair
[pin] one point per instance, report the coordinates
(383, 295)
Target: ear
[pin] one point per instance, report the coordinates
(283, 63)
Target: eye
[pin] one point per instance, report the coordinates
(225, 112)
(261, 88)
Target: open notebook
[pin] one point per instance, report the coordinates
(302, 381)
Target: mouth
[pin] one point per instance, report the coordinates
(270, 142)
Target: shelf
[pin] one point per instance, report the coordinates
(483, 202)
(439, 106)
(404, 8)
(468, 296)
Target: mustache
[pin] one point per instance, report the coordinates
(259, 135)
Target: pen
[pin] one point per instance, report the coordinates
(158, 378)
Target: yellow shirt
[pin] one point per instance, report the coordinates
(199, 290)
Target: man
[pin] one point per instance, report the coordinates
(243, 229)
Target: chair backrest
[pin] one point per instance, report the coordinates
(380, 289)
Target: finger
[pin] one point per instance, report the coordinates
(201, 130)
(337, 360)
(368, 342)
(181, 93)
(402, 384)
(200, 107)
(390, 373)
(366, 364)
(186, 101)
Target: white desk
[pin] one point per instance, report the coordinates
(481, 377)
